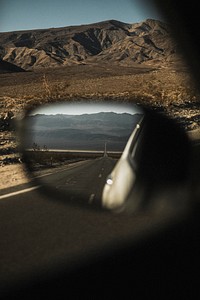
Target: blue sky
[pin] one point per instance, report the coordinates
(36, 14)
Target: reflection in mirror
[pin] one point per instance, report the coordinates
(74, 148)
(110, 155)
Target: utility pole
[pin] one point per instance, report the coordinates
(105, 150)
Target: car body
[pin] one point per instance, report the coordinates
(121, 181)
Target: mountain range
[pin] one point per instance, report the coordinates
(81, 132)
(145, 43)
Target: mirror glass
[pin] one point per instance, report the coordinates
(74, 147)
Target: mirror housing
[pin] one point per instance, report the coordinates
(159, 153)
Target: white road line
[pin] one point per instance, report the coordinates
(19, 192)
(100, 175)
(43, 175)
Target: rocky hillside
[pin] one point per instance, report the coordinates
(111, 41)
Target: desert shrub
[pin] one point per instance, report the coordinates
(53, 90)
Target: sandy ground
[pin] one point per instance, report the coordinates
(12, 175)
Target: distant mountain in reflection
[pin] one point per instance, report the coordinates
(82, 132)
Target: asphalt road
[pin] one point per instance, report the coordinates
(38, 233)
(84, 178)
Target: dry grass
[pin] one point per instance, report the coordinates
(158, 87)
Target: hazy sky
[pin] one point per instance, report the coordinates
(34, 14)
(86, 108)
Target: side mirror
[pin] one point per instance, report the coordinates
(116, 156)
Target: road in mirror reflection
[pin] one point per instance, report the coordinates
(73, 148)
